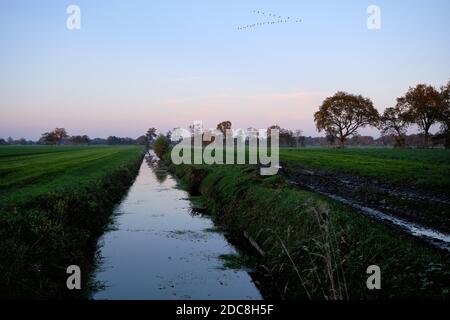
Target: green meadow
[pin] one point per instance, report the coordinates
(28, 172)
(423, 168)
(427, 168)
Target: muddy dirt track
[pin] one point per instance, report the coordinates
(405, 207)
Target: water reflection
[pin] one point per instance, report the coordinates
(159, 250)
(159, 171)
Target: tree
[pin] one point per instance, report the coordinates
(343, 114)
(273, 127)
(169, 135)
(21, 141)
(299, 138)
(424, 107)
(79, 140)
(49, 138)
(394, 122)
(142, 140)
(161, 145)
(286, 137)
(113, 140)
(358, 140)
(54, 137)
(151, 135)
(224, 126)
(60, 134)
(330, 137)
(445, 116)
(269, 132)
(3, 142)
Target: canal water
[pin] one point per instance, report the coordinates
(158, 248)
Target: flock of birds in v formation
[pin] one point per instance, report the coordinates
(276, 19)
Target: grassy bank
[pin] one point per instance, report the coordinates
(54, 203)
(424, 168)
(309, 247)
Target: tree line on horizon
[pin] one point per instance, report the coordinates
(340, 117)
(59, 136)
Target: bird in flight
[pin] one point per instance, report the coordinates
(276, 20)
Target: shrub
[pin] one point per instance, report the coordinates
(161, 146)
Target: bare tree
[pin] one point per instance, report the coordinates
(299, 138)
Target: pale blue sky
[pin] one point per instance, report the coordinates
(136, 64)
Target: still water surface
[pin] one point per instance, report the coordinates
(160, 249)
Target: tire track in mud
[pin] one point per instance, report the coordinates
(420, 213)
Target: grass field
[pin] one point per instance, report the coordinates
(315, 247)
(54, 203)
(27, 172)
(427, 168)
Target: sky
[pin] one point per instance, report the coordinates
(139, 64)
